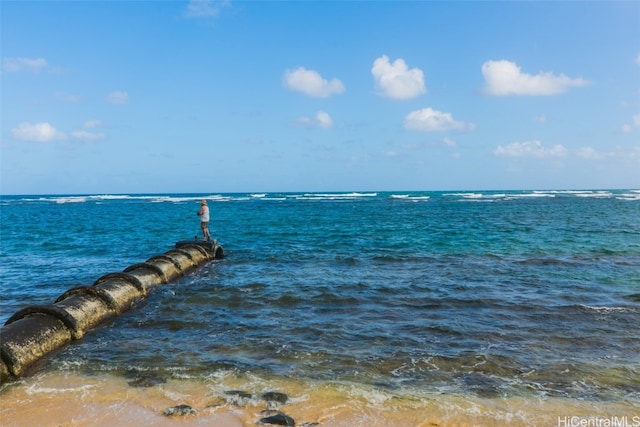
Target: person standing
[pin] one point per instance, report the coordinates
(203, 213)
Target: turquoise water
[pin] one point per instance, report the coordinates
(492, 294)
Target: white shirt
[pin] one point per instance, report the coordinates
(204, 217)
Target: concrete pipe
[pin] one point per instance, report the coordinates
(29, 339)
(35, 332)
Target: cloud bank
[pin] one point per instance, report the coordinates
(635, 123)
(38, 132)
(321, 120)
(118, 97)
(395, 80)
(430, 120)
(505, 78)
(87, 136)
(205, 8)
(14, 65)
(530, 149)
(45, 132)
(311, 83)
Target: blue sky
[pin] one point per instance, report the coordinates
(264, 96)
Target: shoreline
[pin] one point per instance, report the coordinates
(71, 399)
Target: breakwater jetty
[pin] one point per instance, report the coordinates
(35, 332)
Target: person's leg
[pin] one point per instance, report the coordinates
(205, 230)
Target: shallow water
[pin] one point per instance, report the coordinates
(69, 399)
(489, 297)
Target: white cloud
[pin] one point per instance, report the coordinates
(38, 132)
(590, 153)
(429, 120)
(321, 119)
(118, 97)
(13, 65)
(618, 153)
(533, 149)
(89, 136)
(324, 119)
(638, 59)
(505, 78)
(311, 83)
(84, 135)
(205, 8)
(396, 80)
(627, 128)
(89, 124)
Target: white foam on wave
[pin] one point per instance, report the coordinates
(477, 197)
(371, 395)
(465, 195)
(184, 199)
(595, 194)
(535, 194)
(409, 197)
(561, 191)
(471, 196)
(633, 195)
(576, 193)
(73, 199)
(263, 197)
(334, 196)
(153, 198)
(606, 310)
(89, 198)
(38, 387)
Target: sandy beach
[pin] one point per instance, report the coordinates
(76, 400)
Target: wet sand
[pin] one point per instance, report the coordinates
(76, 400)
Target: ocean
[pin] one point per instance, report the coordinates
(363, 308)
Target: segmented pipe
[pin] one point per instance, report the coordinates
(35, 332)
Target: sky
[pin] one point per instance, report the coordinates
(204, 96)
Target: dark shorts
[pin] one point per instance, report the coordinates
(204, 223)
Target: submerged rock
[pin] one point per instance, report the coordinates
(238, 397)
(179, 410)
(274, 399)
(217, 402)
(279, 419)
(482, 385)
(147, 380)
